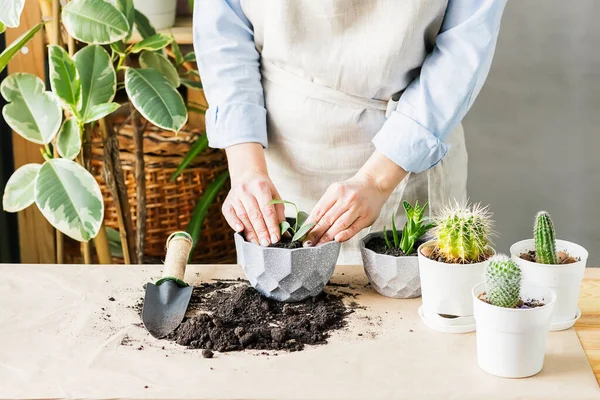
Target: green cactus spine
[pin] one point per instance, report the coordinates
(545, 242)
(463, 232)
(503, 281)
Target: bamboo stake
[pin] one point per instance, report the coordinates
(102, 246)
(140, 183)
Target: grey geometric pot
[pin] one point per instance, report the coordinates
(396, 277)
(287, 274)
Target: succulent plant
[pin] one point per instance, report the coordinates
(463, 232)
(300, 227)
(412, 231)
(544, 237)
(503, 281)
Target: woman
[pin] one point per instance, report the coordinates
(344, 107)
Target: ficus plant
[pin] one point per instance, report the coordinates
(83, 87)
(414, 228)
(300, 228)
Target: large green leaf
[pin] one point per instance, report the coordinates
(198, 147)
(152, 43)
(68, 142)
(70, 199)
(191, 84)
(195, 226)
(94, 21)
(100, 111)
(150, 59)
(18, 193)
(32, 112)
(176, 51)
(11, 12)
(155, 98)
(64, 78)
(126, 7)
(98, 78)
(17, 45)
(190, 57)
(143, 25)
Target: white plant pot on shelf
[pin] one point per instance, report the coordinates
(160, 13)
(563, 279)
(446, 291)
(511, 343)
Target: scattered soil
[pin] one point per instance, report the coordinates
(432, 253)
(562, 256)
(207, 353)
(377, 244)
(286, 243)
(237, 317)
(522, 304)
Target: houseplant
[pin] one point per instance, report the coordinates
(512, 321)
(554, 264)
(452, 263)
(390, 258)
(286, 271)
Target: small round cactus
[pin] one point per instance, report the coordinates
(463, 232)
(544, 237)
(503, 281)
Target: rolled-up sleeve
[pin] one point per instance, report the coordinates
(450, 79)
(228, 63)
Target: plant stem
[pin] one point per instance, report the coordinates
(140, 182)
(102, 246)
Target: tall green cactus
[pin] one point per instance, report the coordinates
(544, 237)
(503, 281)
(463, 232)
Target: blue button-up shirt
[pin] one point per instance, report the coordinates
(429, 109)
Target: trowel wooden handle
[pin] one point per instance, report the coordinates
(178, 249)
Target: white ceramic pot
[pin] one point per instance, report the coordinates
(511, 343)
(161, 13)
(446, 288)
(564, 280)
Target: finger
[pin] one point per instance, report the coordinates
(325, 223)
(352, 230)
(232, 218)
(256, 219)
(341, 224)
(269, 214)
(321, 208)
(242, 215)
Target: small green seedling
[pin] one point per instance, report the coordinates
(300, 228)
(412, 231)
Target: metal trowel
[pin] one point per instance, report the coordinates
(166, 302)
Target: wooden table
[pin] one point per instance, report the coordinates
(588, 326)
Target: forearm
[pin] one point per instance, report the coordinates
(245, 157)
(382, 173)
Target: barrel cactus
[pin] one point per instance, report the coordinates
(463, 232)
(544, 237)
(503, 281)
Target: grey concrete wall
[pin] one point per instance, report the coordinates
(533, 135)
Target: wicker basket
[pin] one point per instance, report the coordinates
(169, 204)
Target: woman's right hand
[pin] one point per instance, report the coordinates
(247, 207)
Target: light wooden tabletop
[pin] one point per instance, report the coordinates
(588, 326)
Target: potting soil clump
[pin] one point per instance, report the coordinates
(237, 317)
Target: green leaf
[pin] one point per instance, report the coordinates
(94, 21)
(195, 226)
(64, 78)
(68, 142)
(18, 193)
(279, 201)
(126, 7)
(284, 226)
(190, 57)
(155, 98)
(149, 59)
(191, 84)
(143, 25)
(11, 12)
(33, 113)
(395, 231)
(191, 4)
(301, 218)
(70, 198)
(176, 52)
(2, 27)
(198, 147)
(118, 47)
(97, 76)
(302, 232)
(152, 43)
(114, 242)
(17, 45)
(100, 111)
(386, 239)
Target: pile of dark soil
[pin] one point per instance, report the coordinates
(377, 244)
(286, 243)
(234, 317)
(562, 256)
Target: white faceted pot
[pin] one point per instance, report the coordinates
(396, 277)
(563, 279)
(446, 288)
(160, 13)
(287, 274)
(511, 343)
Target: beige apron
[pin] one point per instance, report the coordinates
(330, 69)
